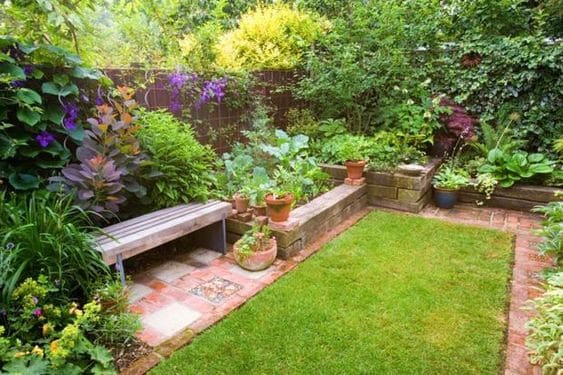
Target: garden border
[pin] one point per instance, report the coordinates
(309, 221)
(518, 197)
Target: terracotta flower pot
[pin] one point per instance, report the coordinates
(445, 198)
(279, 208)
(258, 260)
(355, 169)
(259, 210)
(241, 203)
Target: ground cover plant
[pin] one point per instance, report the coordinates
(372, 301)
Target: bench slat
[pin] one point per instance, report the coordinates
(126, 227)
(158, 232)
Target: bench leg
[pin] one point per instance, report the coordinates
(213, 237)
(119, 267)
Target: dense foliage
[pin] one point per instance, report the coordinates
(39, 110)
(45, 233)
(182, 165)
(546, 327)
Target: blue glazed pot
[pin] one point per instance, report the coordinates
(445, 198)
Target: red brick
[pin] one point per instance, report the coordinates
(199, 304)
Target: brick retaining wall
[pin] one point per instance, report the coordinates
(393, 189)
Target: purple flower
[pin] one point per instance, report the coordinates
(38, 312)
(44, 139)
(28, 69)
(100, 97)
(177, 81)
(35, 300)
(71, 115)
(212, 89)
(17, 83)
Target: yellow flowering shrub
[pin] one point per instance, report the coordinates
(269, 37)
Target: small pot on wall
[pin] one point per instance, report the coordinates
(260, 210)
(258, 260)
(445, 198)
(279, 207)
(355, 169)
(241, 203)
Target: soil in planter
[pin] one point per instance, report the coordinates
(125, 355)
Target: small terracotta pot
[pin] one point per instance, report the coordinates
(258, 260)
(279, 209)
(355, 169)
(259, 210)
(241, 203)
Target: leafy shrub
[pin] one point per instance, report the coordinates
(546, 328)
(110, 158)
(183, 164)
(47, 234)
(39, 110)
(268, 37)
(552, 230)
(302, 121)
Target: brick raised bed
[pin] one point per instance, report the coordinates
(309, 221)
(519, 197)
(394, 189)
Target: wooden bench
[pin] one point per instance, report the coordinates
(131, 237)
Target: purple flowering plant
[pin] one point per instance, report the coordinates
(40, 107)
(190, 88)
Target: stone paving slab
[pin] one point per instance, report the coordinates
(169, 306)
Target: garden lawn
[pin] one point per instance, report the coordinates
(395, 294)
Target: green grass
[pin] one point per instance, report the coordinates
(395, 294)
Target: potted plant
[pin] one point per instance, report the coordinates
(256, 249)
(241, 200)
(258, 186)
(281, 197)
(352, 153)
(447, 183)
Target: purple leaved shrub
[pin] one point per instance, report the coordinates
(110, 159)
(457, 123)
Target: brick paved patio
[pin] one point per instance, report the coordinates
(197, 288)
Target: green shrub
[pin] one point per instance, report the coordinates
(545, 340)
(268, 37)
(183, 164)
(552, 230)
(53, 237)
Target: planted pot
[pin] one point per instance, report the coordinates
(445, 198)
(259, 210)
(241, 203)
(355, 169)
(257, 260)
(279, 207)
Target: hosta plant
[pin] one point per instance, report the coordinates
(514, 167)
(450, 178)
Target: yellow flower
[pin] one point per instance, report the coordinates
(54, 346)
(47, 329)
(74, 310)
(20, 354)
(37, 351)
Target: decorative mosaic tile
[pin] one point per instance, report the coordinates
(216, 290)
